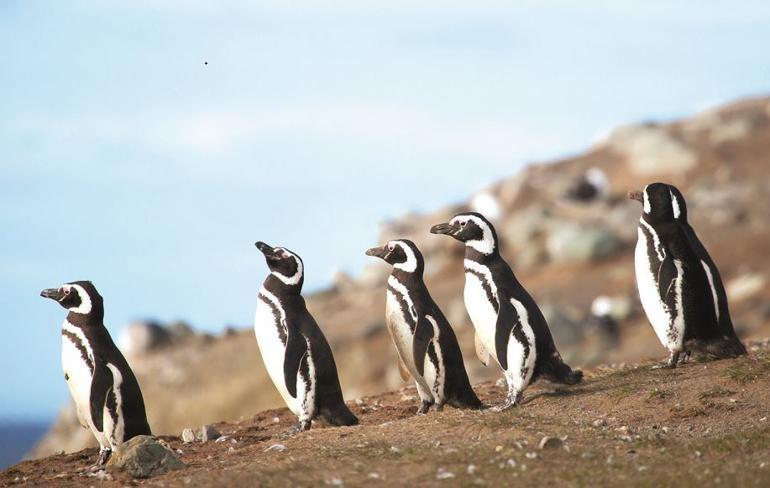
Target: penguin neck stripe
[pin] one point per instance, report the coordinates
(78, 333)
(655, 239)
(399, 288)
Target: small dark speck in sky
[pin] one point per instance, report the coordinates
(206, 63)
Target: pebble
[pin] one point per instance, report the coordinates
(276, 447)
(550, 443)
(188, 435)
(374, 476)
(531, 455)
(498, 448)
(472, 469)
(443, 474)
(511, 462)
(599, 423)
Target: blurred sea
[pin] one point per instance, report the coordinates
(17, 437)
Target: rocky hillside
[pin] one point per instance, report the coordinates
(697, 425)
(568, 231)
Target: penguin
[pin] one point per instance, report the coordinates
(674, 286)
(427, 347)
(509, 325)
(730, 345)
(106, 393)
(295, 352)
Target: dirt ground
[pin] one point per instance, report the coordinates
(700, 424)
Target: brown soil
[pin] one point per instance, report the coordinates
(700, 424)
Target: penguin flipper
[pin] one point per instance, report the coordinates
(481, 350)
(423, 333)
(506, 319)
(667, 274)
(296, 348)
(403, 370)
(101, 384)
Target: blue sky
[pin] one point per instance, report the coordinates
(127, 160)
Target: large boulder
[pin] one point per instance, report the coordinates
(651, 150)
(573, 243)
(144, 456)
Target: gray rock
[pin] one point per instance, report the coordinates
(572, 243)
(144, 456)
(208, 433)
(188, 435)
(550, 443)
(141, 337)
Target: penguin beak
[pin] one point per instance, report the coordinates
(52, 293)
(263, 248)
(445, 228)
(377, 252)
(636, 195)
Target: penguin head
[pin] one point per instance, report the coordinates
(401, 253)
(78, 297)
(471, 228)
(678, 204)
(284, 264)
(656, 199)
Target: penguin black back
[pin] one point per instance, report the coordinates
(731, 344)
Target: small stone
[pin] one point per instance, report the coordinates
(394, 449)
(144, 456)
(208, 433)
(599, 423)
(471, 469)
(498, 448)
(374, 476)
(224, 438)
(276, 420)
(188, 435)
(276, 447)
(334, 481)
(531, 455)
(511, 463)
(550, 443)
(443, 474)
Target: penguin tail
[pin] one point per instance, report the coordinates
(719, 348)
(339, 415)
(557, 371)
(465, 399)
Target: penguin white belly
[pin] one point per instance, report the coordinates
(657, 311)
(273, 350)
(78, 376)
(481, 311)
(402, 336)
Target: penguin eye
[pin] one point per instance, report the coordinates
(66, 291)
(462, 224)
(390, 247)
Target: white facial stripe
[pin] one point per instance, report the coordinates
(81, 337)
(410, 265)
(485, 245)
(85, 300)
(296, 277)
(675, 204)
(647, 208)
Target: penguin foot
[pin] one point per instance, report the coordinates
(301, 426)
(439, 407)
(424, 407)
(670, 364)
(503, 406)
(104, 456)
